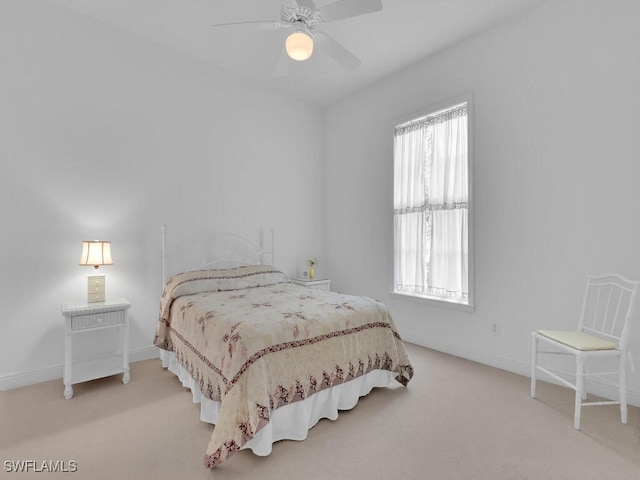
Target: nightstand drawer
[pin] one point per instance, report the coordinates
(323, 284)
(96, 281)
(320, 286)
(95, 297)
(81, 322)
(96, 289)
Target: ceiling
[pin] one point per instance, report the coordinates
(404, 32)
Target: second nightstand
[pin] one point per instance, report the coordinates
(316, 283)
(84, 317)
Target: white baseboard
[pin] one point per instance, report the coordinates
(23, 379)
(524, 369)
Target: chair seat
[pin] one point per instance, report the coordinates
(579, 340)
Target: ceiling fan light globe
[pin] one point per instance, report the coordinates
(299, 46)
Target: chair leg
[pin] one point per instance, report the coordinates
(534, 360)
(622, 366)
(579, 390)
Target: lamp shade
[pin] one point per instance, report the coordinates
(299, 46)
(96, 253)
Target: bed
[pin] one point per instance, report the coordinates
(265, 358)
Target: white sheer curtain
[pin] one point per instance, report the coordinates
(411, 216)
(431, 188)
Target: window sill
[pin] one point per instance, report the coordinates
(439, 301)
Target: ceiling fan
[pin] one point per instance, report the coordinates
(303, 19)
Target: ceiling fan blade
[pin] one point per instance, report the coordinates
(310, 4)
(282, 66)
(349, 8)
(265, 24)
(336, 51)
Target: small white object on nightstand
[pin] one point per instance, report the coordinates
(315, 283)
(84, 317)
(96, 288)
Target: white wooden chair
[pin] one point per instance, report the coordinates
(603, 331)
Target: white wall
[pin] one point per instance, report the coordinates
(557, 165)
(104, 135)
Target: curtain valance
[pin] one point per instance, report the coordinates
(439, 117)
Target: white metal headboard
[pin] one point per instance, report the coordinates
(222, 250)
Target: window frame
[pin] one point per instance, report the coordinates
(469, 304)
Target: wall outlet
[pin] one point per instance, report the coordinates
(495, 328)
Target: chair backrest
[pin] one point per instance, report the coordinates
(607, 307)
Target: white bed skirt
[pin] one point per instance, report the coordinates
(293, 421)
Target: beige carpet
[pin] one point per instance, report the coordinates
(456, 420)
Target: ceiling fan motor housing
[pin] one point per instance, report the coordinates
(300, 14)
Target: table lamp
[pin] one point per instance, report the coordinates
(96, 253)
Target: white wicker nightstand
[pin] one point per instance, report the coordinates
(316, 283)
(84, 317)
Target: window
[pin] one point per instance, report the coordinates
(431, 205)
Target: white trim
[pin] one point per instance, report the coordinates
(24, 379)
(524, 369)
(463, 305)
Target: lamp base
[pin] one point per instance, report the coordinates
(96, 288)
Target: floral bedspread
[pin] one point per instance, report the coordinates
(256, 349)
